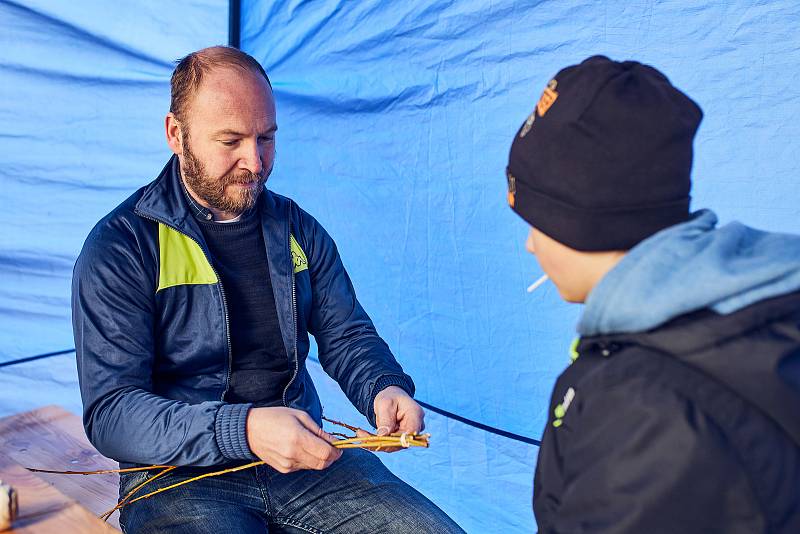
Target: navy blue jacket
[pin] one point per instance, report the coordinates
(152, 334)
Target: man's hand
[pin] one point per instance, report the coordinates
(396, 411)
(289, 440)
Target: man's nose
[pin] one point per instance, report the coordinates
(251, 159)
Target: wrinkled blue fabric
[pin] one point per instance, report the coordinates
(395, 123)
(689, 267)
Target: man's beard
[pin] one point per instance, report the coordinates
(212, 190)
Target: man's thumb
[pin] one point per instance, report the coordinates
(385, 417)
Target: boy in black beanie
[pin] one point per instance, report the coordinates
(679, 411)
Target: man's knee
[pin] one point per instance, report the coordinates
(390, 505)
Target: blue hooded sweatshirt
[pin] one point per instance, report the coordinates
(689, 267)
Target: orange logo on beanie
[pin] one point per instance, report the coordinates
(548, 98)
(512, 188)
(546, 101)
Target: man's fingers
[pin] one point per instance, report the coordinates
(413, 420)
(307, 422)
(386, 416)
(306, 451)
(312, 459)
(289, 439)
(314, 446)
(317, 450)
(315, 429)
(321, 434)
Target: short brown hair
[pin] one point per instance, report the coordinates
(190, 69)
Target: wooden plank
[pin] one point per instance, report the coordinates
(52, 438)
(42, 508)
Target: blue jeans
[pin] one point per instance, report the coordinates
(357, 494)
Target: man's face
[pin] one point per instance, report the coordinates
(228, 140)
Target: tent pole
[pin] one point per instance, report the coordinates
(234, 20)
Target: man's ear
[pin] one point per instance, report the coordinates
(174, 133)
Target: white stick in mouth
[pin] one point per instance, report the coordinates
(537, 283)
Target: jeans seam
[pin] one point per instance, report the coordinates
(296, 524)
(262, 487)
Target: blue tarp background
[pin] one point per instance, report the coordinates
(395, 122)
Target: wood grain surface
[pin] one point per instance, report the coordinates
(52, 438)
(44, 509)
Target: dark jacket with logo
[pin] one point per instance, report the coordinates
(693, 427)
(152, 335)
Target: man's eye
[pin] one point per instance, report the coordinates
(230, 143)
(266, 139)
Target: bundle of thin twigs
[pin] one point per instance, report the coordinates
(367, 440)
(362, 440)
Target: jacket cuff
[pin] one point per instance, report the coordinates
(230, 431)
(402, 381)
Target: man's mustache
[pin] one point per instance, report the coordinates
(245, 177)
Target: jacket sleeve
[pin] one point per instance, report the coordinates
(640, 460)
(113, 322)
(350, 349)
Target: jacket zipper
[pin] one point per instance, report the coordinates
(222, 294)
(294, 323)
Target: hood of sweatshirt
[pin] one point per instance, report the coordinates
(689, 267)
(724, 300)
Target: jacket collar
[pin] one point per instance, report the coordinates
(704, 329)
(165, 200)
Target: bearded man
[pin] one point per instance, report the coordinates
(192, 305)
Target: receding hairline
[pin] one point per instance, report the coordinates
(194, 67)
(214, 57)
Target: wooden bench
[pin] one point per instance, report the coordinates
(52, 438)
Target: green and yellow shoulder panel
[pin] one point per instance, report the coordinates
(298, 256)
(182, 261)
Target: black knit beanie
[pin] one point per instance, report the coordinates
(604, 160)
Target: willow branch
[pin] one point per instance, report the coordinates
(131, 493)
(199, 477)
(367, 441)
